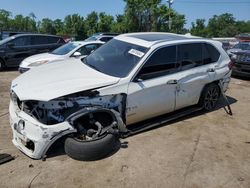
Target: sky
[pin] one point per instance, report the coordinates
(192, 9)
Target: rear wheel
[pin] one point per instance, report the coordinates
(210, 97)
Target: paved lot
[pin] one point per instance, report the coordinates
(205, 150)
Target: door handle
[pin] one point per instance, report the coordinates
(210, 70)
(170, 82)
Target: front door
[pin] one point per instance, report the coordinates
(17, 51)
(152, 91)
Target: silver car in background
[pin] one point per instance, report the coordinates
(70, 50)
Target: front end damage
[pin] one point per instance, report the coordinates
(36, 125)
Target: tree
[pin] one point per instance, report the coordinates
(4, 19)
(151, 15)
(105, 22)
(47, 26)
(74, 25)
(91, 22)
(223, 25)
(119, 25)
(199, 28)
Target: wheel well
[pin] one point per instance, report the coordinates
(106, 118)
(216, 82)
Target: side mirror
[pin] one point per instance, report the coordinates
(10, 45)
(76, 54)
(139, 79)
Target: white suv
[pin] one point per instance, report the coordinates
(132, 78)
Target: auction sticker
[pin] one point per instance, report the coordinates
(136, 53)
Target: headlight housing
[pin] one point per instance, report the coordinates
(37, 63)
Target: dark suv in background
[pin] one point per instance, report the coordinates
(15, 48)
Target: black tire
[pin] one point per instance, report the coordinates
(91, 150)
(210, 97)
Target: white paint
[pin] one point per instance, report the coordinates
(145, 99)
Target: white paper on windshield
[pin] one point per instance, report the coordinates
(136, 53)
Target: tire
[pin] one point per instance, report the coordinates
(90, 150)
(209, 97)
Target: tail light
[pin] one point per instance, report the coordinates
(230, 65)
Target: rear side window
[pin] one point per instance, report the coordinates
(161, 63)
(196, 54)
(53, 40)
(190, 55)
(210, 54)
(39, 40)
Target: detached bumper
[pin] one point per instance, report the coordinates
(32, 137)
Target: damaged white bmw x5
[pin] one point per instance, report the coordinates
(132, 78)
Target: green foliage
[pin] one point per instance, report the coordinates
(139, 16)
(151, 15)
(223, 25)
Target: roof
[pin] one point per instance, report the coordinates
(34, 34)
(148, 39)
(82, 42)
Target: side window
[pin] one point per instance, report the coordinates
(87, 49)
(161, 63)
(21, 41)
(105, 39)
(189, 55)
(53, 40)
(61, 41)
(38, 40)
(210, 54)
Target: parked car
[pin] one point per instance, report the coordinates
(104, 37)
(131, 79)
(15, 48)
(238, 47)
(70, 50)
(242, 63)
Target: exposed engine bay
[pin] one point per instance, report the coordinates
(57, 110)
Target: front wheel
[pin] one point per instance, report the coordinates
(90, 150)
(210, 97)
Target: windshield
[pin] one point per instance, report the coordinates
(93, 38)
(243, 46)
(116, 58)
(66, 48)
(6, 40)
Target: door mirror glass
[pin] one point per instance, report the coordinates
(76, 54)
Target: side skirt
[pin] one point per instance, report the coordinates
(160, 120)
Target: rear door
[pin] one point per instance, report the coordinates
(196, 69)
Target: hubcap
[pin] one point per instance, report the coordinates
(211, 98)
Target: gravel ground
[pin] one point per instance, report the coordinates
(209, 150)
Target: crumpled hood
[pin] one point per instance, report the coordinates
(40, 57)
(58, 79)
